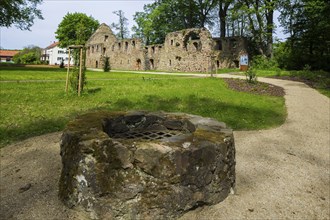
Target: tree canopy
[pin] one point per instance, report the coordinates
(121, 26)
(306, 21)
(308, 25)
(20, 13)
(29, 55)
(75, 28)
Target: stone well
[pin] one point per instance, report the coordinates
(143, 165)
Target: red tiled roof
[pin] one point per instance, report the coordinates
(8, 53)
(52, 45)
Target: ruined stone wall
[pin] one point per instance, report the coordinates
(128, 54)
(231, 49)
(189, 50)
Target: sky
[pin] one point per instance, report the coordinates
(42, 33)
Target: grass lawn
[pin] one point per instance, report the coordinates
(319, 80)
(34, 108)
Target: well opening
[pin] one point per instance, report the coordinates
(147, 127)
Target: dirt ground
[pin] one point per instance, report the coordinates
(282, 173)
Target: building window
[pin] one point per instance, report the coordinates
(92, 49)
(153, 49)
(119, 46)
(133, 43)
(106, 38)
(172, 42)
(170, 63)
(126, 45)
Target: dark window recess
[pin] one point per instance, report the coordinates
(133, 43)
(178, 58)
(153, 49)
(196, 45)
(177, 44)
(119, 46)
(151, 63)
(106, 38)
(126, 45)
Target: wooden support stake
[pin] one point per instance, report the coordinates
(67, 75)
(80, 73)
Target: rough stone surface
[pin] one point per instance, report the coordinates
(141, 165)
(188, 50)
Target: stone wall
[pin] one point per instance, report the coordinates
(189, 50)
(145, 165)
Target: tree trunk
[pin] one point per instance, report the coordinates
(270, 27)
(223, 8)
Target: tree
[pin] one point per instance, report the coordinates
(121, 26)
(223, 8)
(75, 29)
(164, 16)
(29, 55)
(309, 29)
(20, 13)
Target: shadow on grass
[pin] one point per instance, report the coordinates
(236, 116)
(12, 134)
(93, 91)
(241, 117)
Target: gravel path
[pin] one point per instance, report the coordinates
(281, 173)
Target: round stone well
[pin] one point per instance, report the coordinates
(145, 165)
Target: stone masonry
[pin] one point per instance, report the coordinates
(145, 165)
(188, 50)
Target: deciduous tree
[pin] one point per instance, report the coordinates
(75, 28)
(20, 13)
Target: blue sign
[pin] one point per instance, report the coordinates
(244, 60)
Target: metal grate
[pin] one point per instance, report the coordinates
(146, 135)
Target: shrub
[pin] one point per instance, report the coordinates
(106, 66)
(262, 62)
(62, 64)
(251, 75)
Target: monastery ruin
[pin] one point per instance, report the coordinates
(188, 50)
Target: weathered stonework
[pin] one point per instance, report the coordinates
(189, 50)
(141, 165)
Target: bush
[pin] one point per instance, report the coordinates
(262, 62)
(62, 64)
(106, 67)
(251, 75)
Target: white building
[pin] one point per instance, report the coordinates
(54, 55)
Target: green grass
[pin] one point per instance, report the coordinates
(228, 70)
(42, 73)
(34, 108)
